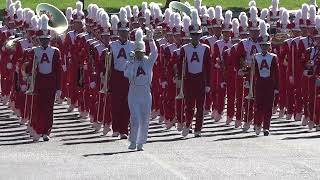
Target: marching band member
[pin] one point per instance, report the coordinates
(195, 65)
(266, 82)
(313, 72)
(46, 69)
(119, 84)
(245, 52)
(219, 86)
(216, 32)
(139, 73)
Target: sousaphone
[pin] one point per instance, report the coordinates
(57, 20)
(180, 7)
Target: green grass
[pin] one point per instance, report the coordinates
(113, 5)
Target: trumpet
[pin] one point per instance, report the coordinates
(251, 95)
(181, 94)
(107, 65)
(33, 76)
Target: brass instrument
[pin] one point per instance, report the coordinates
(33, 76)
(178, 6)
(253, 67)
(184, 66)
(107, 65)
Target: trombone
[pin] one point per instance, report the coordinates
(107, 65)
(184, 64)
(253, 67)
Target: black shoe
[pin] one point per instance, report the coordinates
(266, 133)
(46, 138)
(123, 136)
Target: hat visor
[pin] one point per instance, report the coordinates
(140, 50)
(44, 37)
(226, 30)
(196, 32)
(254, 29)
(265, 43)
(123, 29)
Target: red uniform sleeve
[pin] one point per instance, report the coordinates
(207, 66)
(57, 59)
(275, 72)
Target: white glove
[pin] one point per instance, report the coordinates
(178, 83)
(85, 67)
(101, 75)
(291, 79)
(223, 84)
(9, 66)
(285, 63)
(164, 84)
(23, 88)
(58, 93)
(217, 66)
(92, 85)
(240, 73)
(64, 68)
(305, 73)
(276, 91)
(207, 89)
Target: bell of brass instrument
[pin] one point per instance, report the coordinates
(107, 65)
(181, 94)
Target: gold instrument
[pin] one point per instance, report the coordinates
(57, 20)
(253, 67)
(178, 6)
(184, 66)
(33, 76)
(107, 65)
(279, 38)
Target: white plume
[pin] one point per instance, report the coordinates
(313, 14)
(144, 7)
(264, 13)
(285, 17)
(34, 21)
(275, 4)
(228, 17)
(167, 14)
(305, 11)
(105, 21)
(79, 6)
(195, 20)
(243, 19)
(252, 3)
(172, 20)
(235, 26)
(148, 17)
(186, 21)
(114, 22)
(18, 4)
(123, 15)
(44, 22)
(177, 20)
(135, 11)
(253, 13)
(318, 22)
(129, 13)
(19, 14)
(9, 2)
(12, 10)
(69, 13)
(218, 13)
(211, 13)
(263, 29)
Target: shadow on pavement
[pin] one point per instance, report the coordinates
(108, 154)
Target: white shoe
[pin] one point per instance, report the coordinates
(305, 121)
(140, 147)
(298, 117)
(115, 134)
(274, 110)
(317, 127)
(197, 134)
(91, 118)
(132, 146)
(106, 129)
(246, 127)
(206, 112)
(35, 137)
(46, 137)
(218, 117)
(97, 126)
(288, 116)
(169, 124)
(281, 113)
(229, 120)
(71, 108)
(214, 114)
(180, 127)
(185, 131)
(311, 125)
(238, 124)
(162, 119)
(257, 130)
